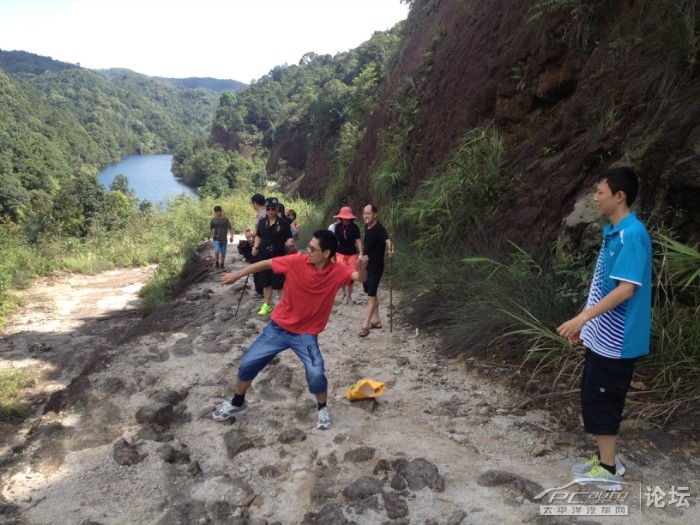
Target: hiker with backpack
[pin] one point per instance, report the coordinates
(272, 238)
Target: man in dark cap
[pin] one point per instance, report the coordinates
(272, 237)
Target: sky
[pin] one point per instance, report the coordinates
(229, 39)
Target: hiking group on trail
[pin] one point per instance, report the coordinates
(307, 284)
(614, 326)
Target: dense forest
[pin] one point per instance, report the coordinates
(61, 123)
(477, 127)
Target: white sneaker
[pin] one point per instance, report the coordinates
(227, 410)
(323, 419)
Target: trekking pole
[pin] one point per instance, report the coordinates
(245, 285)
(391, 290)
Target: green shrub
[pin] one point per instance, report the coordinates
(18, 265)
(12, 382)
(463, 192)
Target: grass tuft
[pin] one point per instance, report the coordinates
(12, 382)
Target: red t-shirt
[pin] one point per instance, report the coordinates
(308, 293)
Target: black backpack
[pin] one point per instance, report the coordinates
(246, 250)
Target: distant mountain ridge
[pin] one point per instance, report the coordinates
(217, 85)
(14, 62)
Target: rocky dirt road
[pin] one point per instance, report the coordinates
(122, 432)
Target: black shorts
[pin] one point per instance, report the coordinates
(604, 386)
(267, 278)
(371, 285)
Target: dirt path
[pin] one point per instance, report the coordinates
(122, 432)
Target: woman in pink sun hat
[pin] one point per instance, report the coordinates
(349, 244)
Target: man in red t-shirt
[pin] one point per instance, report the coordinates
(311, 284)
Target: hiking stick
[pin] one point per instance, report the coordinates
(211, 256)
(245, 285)
(391, 290)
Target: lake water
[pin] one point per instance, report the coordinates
(149, 176)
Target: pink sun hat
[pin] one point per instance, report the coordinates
(345, 213)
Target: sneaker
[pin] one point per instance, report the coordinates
(227, 410)
(594, 461)
(258, 295)
(600, 478)
(217, 265)
(265, 309)
(323, 419)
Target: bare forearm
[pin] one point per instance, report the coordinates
(619, 295)
(571, 328)
(230, 278)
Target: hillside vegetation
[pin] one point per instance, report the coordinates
(61, 123)
(477, 127)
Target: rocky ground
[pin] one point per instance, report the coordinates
(122, 432)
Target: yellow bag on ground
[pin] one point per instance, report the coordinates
(365, 389)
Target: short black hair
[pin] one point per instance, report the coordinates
(217, 208)
(622, 179)
(258, 198)
(327, 241)
(373, 208)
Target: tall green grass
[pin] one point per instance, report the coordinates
(18, 265)
(495, 301)
(12, 382)
(461, 193)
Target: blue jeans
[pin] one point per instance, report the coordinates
(220, 247)
(275, 339)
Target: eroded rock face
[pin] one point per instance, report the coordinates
(565, 98)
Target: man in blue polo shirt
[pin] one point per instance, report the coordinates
(615, 325)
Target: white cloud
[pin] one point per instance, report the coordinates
(236, 39)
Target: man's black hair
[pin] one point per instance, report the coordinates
(622, 179)
(374, 208)
(217, 208)
(327, 241)
(258, 199)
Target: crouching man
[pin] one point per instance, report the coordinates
(311, 284)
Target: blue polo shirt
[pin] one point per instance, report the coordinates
(624, 331)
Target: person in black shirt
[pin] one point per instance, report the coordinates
(375, 242)
(272, 236)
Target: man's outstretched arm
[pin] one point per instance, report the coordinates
(230, 278)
